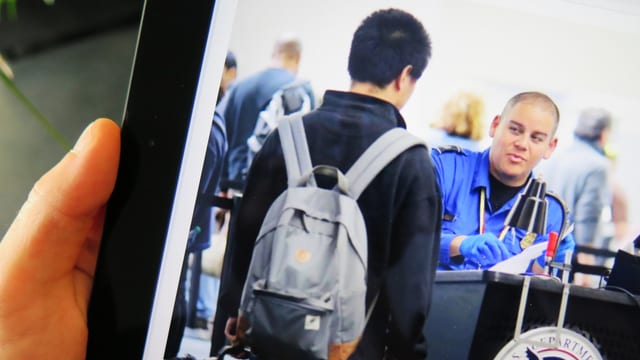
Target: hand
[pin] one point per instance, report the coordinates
(230, 330)
(484, 249)
(220, 214)
(235, 330)
(48, 255)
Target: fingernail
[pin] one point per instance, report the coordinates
(84, 140)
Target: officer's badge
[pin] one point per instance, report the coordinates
(527, 240)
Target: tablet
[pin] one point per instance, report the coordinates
(175, 76)
(170, 106)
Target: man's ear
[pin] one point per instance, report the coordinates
(494, 125)
(233, 73)
(403, 78)
(552, 146)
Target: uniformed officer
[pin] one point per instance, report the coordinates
(480, 188)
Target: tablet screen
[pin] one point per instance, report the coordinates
(477, 46)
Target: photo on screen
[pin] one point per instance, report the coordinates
(489, 47)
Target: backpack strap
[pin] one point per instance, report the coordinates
(295, 150)
(379, 154)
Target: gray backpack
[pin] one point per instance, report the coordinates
(305, 290)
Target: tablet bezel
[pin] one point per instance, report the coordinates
(170, 105)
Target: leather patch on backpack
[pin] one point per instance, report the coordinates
(342, 351)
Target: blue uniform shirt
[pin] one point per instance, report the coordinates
(462, 174)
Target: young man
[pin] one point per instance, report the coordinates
(480, 188)
(401, 206)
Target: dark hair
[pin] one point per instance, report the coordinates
(384, 44)
(230, 61)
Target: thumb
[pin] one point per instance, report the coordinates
(50, 232)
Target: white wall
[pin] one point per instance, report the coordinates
(581, 52)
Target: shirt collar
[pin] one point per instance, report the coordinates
(375, 106)
(481, 176)
(594, 144)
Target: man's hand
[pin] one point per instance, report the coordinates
(485, 250)
(48, 255)
(236, 330)
(221, 214)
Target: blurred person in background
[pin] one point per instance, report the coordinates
(579, 173)
(229, 74)
(460, 123)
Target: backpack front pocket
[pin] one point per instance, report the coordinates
(289, 326)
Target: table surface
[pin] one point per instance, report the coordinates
(543, 283)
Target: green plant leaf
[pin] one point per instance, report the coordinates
(57, 136)
(11, 7)
(6, 76)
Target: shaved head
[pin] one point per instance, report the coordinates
(538, 99)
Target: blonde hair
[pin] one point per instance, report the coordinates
(288, 44)
(462, 116)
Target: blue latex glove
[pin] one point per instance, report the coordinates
(485, 250)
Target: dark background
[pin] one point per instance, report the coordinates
(73, 61)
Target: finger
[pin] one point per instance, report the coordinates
(504, 251)
(481, 254)
(229, 329)
(50, 230)
(499, 250)
(486, 255)
(495, 251)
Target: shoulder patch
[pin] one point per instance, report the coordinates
(448, 148)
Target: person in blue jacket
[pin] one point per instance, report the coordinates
(480, 188)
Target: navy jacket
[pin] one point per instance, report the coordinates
(245, 101)
(208, 186)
